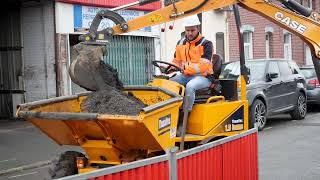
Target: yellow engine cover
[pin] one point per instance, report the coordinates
(220, 117)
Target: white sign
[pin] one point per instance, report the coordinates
(87, 15)
(164, 122)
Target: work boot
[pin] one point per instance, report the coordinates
(180, 123)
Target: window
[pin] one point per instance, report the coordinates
(309, 73)
(287, 46)
(273, 68)
(285, 69)
(232, 70)
(268, 45)
(200, 19)
(220, 44)
(308, 56)
(294, 67)
(248, 50)
(309, 3)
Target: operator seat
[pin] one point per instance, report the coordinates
(203, 94)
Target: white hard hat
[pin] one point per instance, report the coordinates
(191, 21)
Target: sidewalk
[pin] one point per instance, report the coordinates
(24, 146)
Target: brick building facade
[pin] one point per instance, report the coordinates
(264, 39)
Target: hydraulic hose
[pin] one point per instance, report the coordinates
(296, 7)
(196, 8)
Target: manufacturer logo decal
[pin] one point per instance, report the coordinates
(155, 18)
(290, 23)
(164, 122)
(236, 121)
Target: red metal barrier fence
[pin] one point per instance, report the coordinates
(236, 159)
(231, 158)
(157, 171)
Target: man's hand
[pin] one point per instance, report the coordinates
(171, 70)
(188, 71)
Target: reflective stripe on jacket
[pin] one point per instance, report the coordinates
(194, 57)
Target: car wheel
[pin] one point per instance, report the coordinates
(258, 114)
(300, 110)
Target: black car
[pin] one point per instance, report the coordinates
(275, 87)
(313, 85)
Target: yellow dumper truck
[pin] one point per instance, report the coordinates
(115, 139)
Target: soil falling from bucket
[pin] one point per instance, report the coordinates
(107, 97)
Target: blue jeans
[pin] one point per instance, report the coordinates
(192, 83)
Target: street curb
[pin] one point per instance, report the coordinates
(25, 167)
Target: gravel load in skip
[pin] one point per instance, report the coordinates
(112, 102)
(109, 100)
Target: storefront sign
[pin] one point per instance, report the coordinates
(83, 16)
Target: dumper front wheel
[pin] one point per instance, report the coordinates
(64, 165)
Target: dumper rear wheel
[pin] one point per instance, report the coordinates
(64, 165)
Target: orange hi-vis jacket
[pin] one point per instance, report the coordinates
(194, 57)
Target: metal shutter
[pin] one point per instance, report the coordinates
(38, 51)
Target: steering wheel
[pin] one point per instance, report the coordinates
(165, 70)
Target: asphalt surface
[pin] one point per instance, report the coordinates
(288, 150)
(22, 146)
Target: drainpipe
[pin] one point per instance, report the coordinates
(56, 53)
(45, 49)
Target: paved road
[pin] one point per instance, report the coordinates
(288, 150)
(22, 144)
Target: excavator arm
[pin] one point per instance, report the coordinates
(307, 28)
(288, 14)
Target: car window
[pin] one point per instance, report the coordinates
(257, 70)
(308, 73)
(294, 67)
(232, 70)
(274, 68)
(285, 70)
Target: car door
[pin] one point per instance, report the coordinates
(289, 85)
(273, 87)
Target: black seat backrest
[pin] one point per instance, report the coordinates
(217, 64)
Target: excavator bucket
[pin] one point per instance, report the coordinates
(90, 72)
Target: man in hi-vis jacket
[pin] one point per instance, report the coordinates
(193, 55)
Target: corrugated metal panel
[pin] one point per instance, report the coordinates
(206, 165)
(240, 158)
(114, 3)
(132, 56)
(236, 159)
(157, 171)
(39, 51)
(10, 58)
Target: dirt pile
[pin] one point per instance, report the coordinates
(112, 102)
(90, 72)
